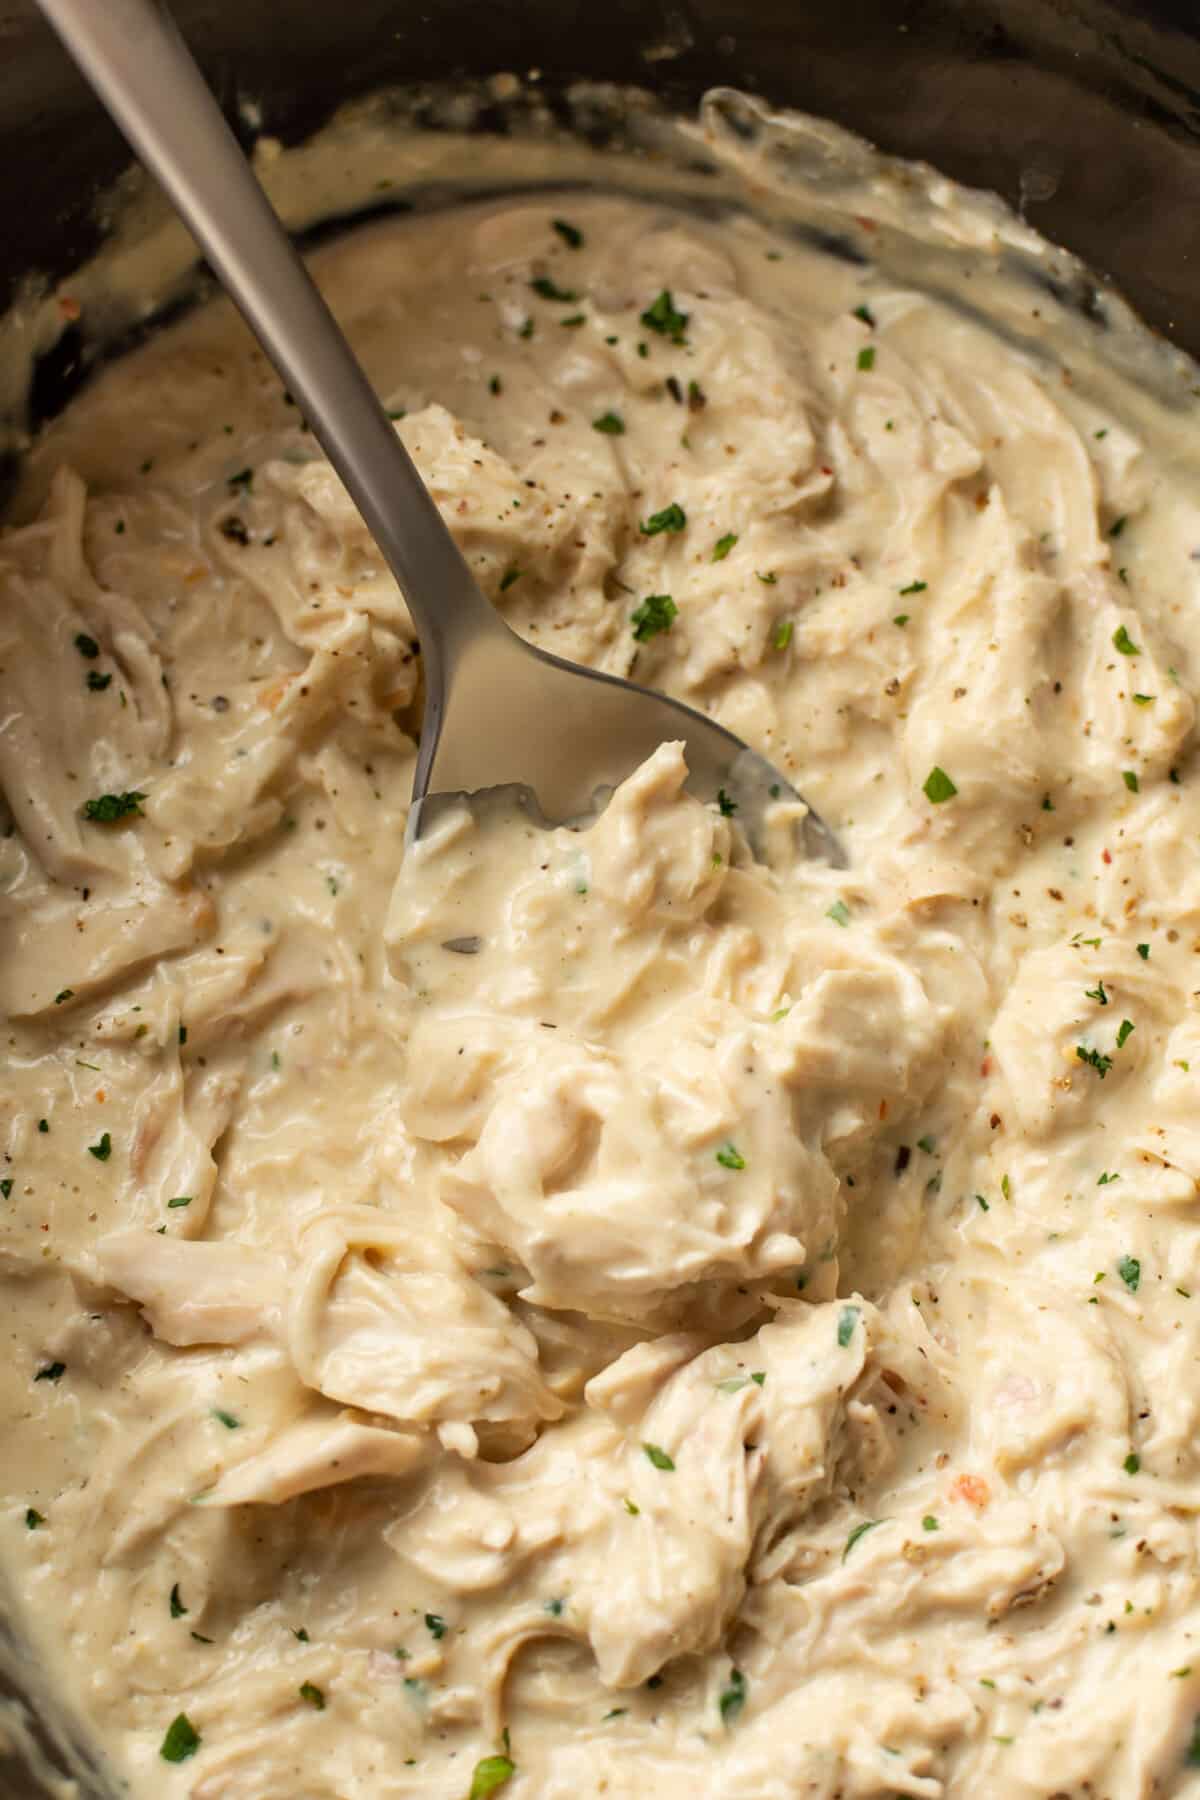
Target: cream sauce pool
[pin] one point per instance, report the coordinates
(564, 1313)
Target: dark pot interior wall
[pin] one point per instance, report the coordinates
(1089, 110)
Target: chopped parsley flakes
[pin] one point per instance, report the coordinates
(178, 1609)
(1124, 1032)
(51, 1372)
(725, 805)
(571, 235)
(1097, 993)
(1124, 643)
(938, 786)
(732, 1697)
(858, 1532)
(107, 809)
(659, 1458)
(866, 357)
(847, 1320)
(33, 1518)
(671, 518)
(103, 1150)
(490, 1773)
(724, 545)
(313, 1695)
(730, 1158)
(550, 291)
(663, 316)
(1129, 777)
(86, 646)
(435, 1625)
(655, 614)
(839, 912)
(914, 587)
(1130, 1271)
(181, 1741)
(1094, 1059)
(611, 423)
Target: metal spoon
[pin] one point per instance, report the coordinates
(497, 710)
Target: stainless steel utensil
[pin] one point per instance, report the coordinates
(497, 710)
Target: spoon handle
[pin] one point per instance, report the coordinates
(131, 53)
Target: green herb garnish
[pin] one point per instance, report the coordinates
(732, 1697)
(106, 809)
(859, 1531)
(611, 423)
(938, 786)
(550, 291)
(659, 1458)
(671, 518)
(847, 1320)
(491, 1773)
(724, 545)
(182, 1740)
(730, 1158)
(1130, 1271)
(103, 1150)
(662, 316)
(655, 614)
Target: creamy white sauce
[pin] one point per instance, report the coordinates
(707, 1329)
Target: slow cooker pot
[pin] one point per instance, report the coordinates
(1084, 114)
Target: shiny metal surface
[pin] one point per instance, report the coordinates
(498, 712)
(1085, 114)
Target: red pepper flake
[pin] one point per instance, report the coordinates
(985, 1067)
(971, 1488)
(1106, 856)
